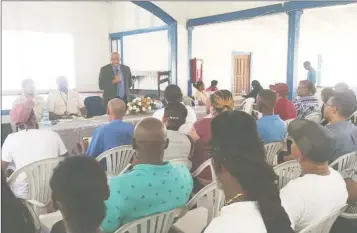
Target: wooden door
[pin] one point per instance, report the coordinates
(241, 74)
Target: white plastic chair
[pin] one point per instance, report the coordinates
(180, 146)
(159, 223)
(325, 224)
(117, 158)
(271, 152)
(48, 220)
(37, 177)
(208, 201)
(287, 171)
(207, 163)
(315, 117)
(183, 161)
(350, 212)
(247, 105)
(344, 161)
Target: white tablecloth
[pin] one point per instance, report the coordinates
(72, 131)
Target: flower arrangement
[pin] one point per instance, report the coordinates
(140, 105)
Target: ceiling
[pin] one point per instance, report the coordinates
(184, 10)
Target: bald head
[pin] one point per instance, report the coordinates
(150, 139)
(116, 108)
(115, 59)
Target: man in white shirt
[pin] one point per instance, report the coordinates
(173, 93)
(28, 93)
(29, 144)
(321, 189)
(65, 103)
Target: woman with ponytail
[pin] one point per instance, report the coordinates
(79, 189)
(175, 118)
(252, 197)
(219, 102)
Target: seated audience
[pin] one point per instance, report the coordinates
(116, 133)
(28, 93)
(270, 126)
(152, 186)
(175, 117)
(16, 217)
(220, 101)
(64, 102)
(173, 94)
(29, 145)
(283, 106)
(252, 197)
(256, 88)
(213, 87)
(337, 111)
(321, 189)
(201, 95)
(326, 93)
(307, 103)
(79, 189)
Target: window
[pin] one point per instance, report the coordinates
(36, 55)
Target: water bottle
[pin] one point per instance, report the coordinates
(243, 92)
(46, 118)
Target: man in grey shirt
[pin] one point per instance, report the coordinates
(339, 107)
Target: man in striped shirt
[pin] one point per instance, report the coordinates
(307, 103)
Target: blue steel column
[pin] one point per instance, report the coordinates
(121, 50)
(189, 81)
(293, 51)
(172, 37)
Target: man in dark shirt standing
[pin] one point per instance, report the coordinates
(115, 80)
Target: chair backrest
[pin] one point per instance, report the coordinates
(248, 105)
(324, 225)
(207, 163)
(180, 146)
(94, 106)
(210, 198)
(344, 161)
(287, 171)
(159, 223)
(188, 101)
(183, 161)
(271, 152)
(350, 212)
(38, 175)
(315, 117)
(117, 158)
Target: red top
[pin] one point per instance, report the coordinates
(212, 89)
(202, 147)
(285, 109)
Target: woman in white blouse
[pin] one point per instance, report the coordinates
(252, 197)
(201, 94)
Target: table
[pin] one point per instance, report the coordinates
(72, 131)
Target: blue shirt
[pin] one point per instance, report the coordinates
(271, 129)
(144, 191)
(311, 76)
(121, 85)
(346, 137)
(106, 137)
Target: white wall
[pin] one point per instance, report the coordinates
(86, 22)
(264, 37)
(332, 33)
